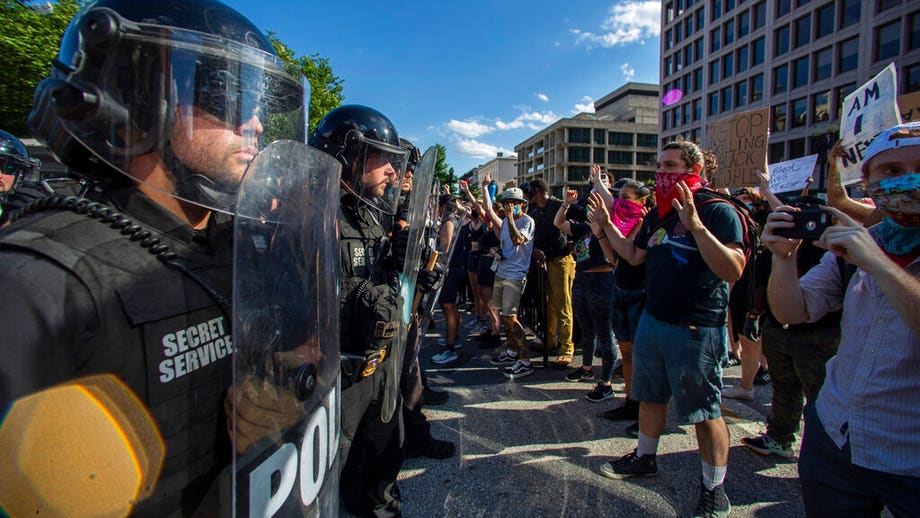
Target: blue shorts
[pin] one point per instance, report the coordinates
(679, 361)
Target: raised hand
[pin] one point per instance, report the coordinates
(781, 217)
(852, 241)
(597, 210)
(686, 209)
(571, 196)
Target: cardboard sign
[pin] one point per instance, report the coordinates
(909, 106)
(792, 175)
(740, 144)
(868, 111)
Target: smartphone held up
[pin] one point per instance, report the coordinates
(809, 224)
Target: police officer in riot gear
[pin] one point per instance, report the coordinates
(166, 102)
(16, 166)
(367, 145)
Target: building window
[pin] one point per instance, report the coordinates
(665, 124)
(841, 92)
(884, 5)
(744, 24)
(888, 41)
(599, 136)
(579, 173)
(688, 27)
(700, 19)
(912, 78)
(781, 79)
(697, 79)
(796, 148)
(667, 66)
(729, 5)
(675, 116)
(728, 32)
(758, 51)
(687, 114)
(757, 88)
(697, 110)
(913, 42)
(726, 99)
(688, 55)
(728, 65)
(579, 154)
(646, 140)
(715, 39)
(824, 63)
(716, 9)
(783, 7)
(777, 152)
(799, 112)
(802, 31)
(616, 138)
(825, 17)
(714, 72)
(714, 103)
(741, 94)
(781, 41)
(849, 55)
(620, 157)
(698, 49)
(760, 15)
(779, 117)
(821, 105)
(849, 12)
(669, 12)
(668, 40)
(580, 135)
(800, 72)
(599, 153)
(678, 34)
(742, 58)
(648, 159)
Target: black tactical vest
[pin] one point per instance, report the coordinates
(158, 332)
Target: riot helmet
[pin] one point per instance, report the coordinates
(412, 160)
(16, 166)
(368, 147)
(189, 86)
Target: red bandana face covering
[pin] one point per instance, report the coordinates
(666, 188)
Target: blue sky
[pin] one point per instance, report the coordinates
(477, 76)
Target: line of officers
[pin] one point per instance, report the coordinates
(161, 107)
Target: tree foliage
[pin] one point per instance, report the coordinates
(442, 171)
(325, 86)
(29, 41)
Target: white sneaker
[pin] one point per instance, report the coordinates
(737, 392)
(446, 355)
(518, 370)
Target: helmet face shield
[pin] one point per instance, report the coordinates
(381, 170)
(200, 105)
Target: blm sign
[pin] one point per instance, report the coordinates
(866, 112)
(740, 145)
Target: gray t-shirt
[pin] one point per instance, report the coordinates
(516, 259)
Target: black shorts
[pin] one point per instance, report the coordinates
(472, 263)
(453, 282)
(485, 278)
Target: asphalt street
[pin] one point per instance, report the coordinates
(533, 447)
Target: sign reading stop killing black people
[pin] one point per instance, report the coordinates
(740, 145)
(869, 110)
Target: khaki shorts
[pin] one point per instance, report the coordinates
(506, 295)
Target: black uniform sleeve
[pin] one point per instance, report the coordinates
(46, 316)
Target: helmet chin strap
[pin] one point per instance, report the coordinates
(197, 187)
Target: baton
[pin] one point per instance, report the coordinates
(432, 260)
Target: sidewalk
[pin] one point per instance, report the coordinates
(532, 447)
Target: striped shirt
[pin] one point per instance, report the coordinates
(871, 395)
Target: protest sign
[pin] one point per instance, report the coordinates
(868, 111)
(909, 106)
(740, 145)
(791, 175)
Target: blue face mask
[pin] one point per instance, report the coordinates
(516, 210)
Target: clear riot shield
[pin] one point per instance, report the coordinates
(415, 224)
(430, 299)
(286, 391)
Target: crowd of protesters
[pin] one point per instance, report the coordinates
(661, 283)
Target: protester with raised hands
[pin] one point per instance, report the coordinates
(859, 451)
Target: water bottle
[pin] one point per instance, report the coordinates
(492, 189)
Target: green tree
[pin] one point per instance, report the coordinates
(442, 171)
(325, 86)
(29, 41)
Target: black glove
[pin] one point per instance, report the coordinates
(751, 329)
(427, 279)
(399, 243)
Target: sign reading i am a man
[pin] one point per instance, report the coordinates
(866, 112)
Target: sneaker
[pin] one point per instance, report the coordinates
(443, 343)
(632, 431)
(518, 370)
(580, 374)
(628, 411)
(472, 324)
(765, 445)
(713, 503)
(431, 397)
(762, 377)
(631, 465)
(738, 392)
(446, 355)
(433, 449)
(601, 392)
(504, 358)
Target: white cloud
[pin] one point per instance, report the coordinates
(543, 97)
(586, 106)
(628, 71)
(476, 149)
(627, 22)
(470, 128)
